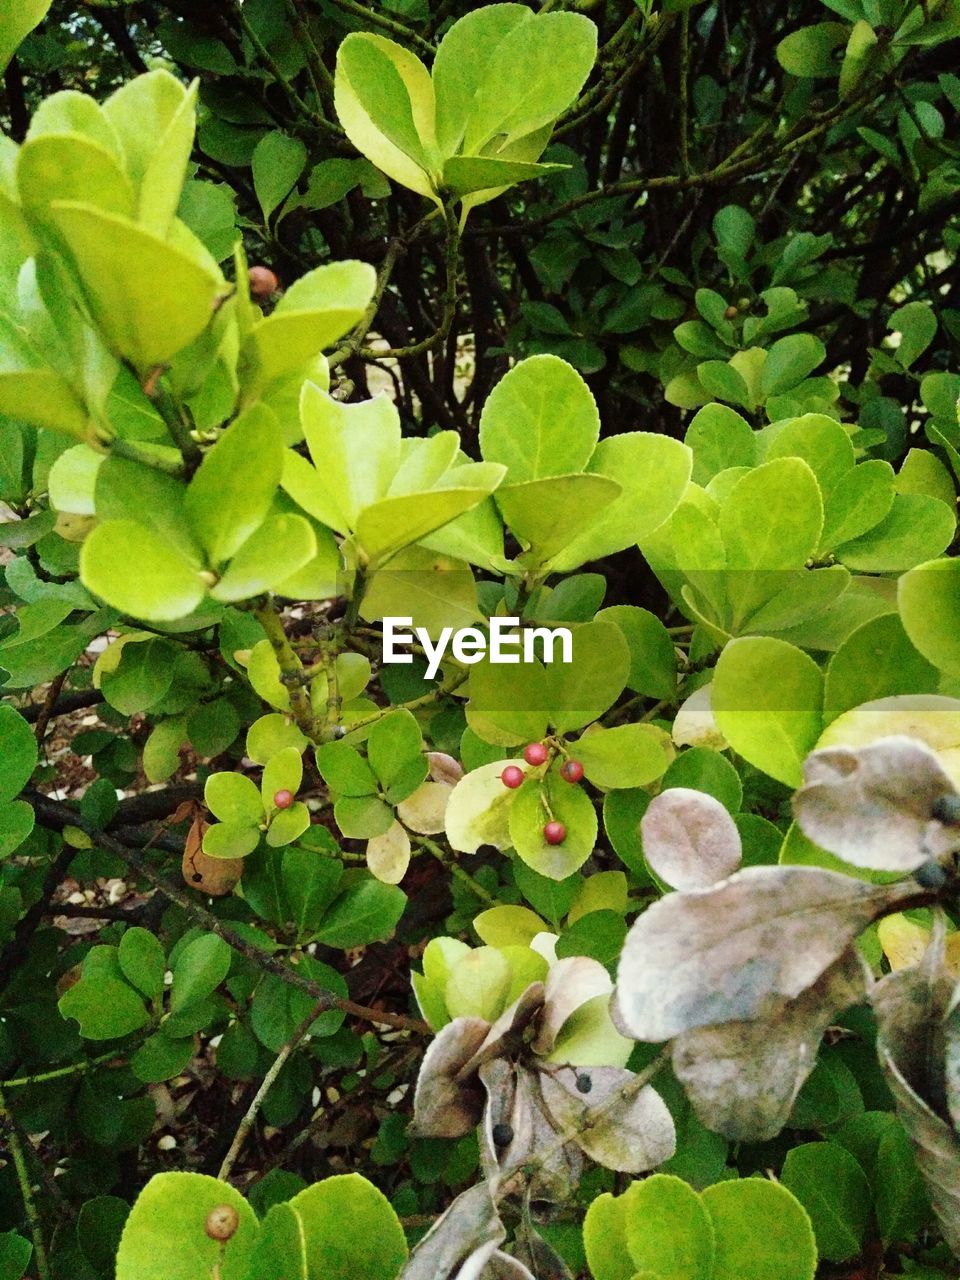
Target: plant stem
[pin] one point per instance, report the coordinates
(26, 1192)
(291, 668)
(375, 18)
(143, 454)
(247, 1123)
(61, 1073)
(458, 872)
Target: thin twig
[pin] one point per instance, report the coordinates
(26, 1192)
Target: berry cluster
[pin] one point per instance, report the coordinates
(537, 754)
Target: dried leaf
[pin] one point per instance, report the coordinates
(570, 983)
(502, 1267)
(425, 810)
(443, 1105)
(388, 856)
(689, 839)
(910, 1006)
(873, 806)
(507, 1028)
(461, 1241)
(538, 1258)
(742, 1078)
(516, 1111)
(444, 768)
(732, 952)
(694, 724)
(215, 877)
(631, 1136)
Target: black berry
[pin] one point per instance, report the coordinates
(947, 810)
(502, 1135)
(584, 1083)
(931, 875)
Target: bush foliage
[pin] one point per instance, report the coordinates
(634, 319)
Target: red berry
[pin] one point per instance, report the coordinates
(263, 283)
(283, 799)
(554, 833)
(571, 771)
(512, 777)
(535, 753)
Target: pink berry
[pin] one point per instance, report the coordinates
(571, 771)
(283, 799)
(512, 777)
(554, 833)
(535, 753)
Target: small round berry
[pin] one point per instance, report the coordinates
(502, 1135)
(512, 777)
(731, 313)
(263, 283)
(571, 771)
(947, 810)
(222, 1222)
(535, 753)
(584, 1083)
(554, 833)
(931, 875)
(283, 799)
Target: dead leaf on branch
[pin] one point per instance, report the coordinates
(910, 1006)
(689, 839)
(873, 807)
(631, 1136)
(734, 952)
(742, 1078)
(444, 1106)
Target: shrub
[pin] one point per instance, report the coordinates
(423, 957)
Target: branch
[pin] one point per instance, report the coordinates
(26, 1191)
(291, 669)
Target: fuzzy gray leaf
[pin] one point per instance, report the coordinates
(631, 1136)
(873, 806)
(742, 1078)
(733, 952)
(910, 1005)
(461, 1242)
(689, 839)
(516, 1111)
(570, 983)
(444, 1106)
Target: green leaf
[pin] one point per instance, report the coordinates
(15, 1251)
(478, 811)
(917, 528)
(916, 324)
(135, 571)
(534, 73)
(288, 825)
(17, 821)
(16, 23)
(344, 770)
(229, 497)
(165, 1236)
(314, 313)
(652, 472)
(161, 1057)
(374, 1247)
(540, 420)
(767, 702)
(230, 840)
(386, 527)
(465, 174)
(461, 63)
(653, 658)
(630, 755)
(813, 51)
(278, 163)
(384, 99)
(581, 690)
(789, 361)
(605, 1238)
(529, 815)
(366, 912)
(833, 1189)
(270, 734)
(759, 1225)
(20, 753)
(201, 966)
(668, 1229)
(149, 299)
(719, 438)
(875, 661)
(279, 548)
(508, 703)
(278, 1008)
(231, 797)
(104, 1005)
(142, 961)
(395, 743)
(550, 513)
(929, 602)
(70, 167)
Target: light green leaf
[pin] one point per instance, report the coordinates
(17, 20)
(374, 1247)
(629, 755)
(813, 51)
(758, 1224)
(17, 821)
(233, 798)
(540, 420)
(461, 63)
(605, 1239)
(149, 299)
(876, 661)
(270, 734)
(278, 163)
(432, 589)
(132, 569)
(653, 472)
(386, 527)
(929, 602)
(529, 815)
(165, 1237)
(917, 528)
(581, 690)
(860, 500)
(478, 811)
(668, 1229)
(550, 513)
(230, 840)
(653, 658)
(18, 758)
(229, 497)
(466, 174)
(280, 547)
(719, 438)
(789, 361)
(767, 702)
